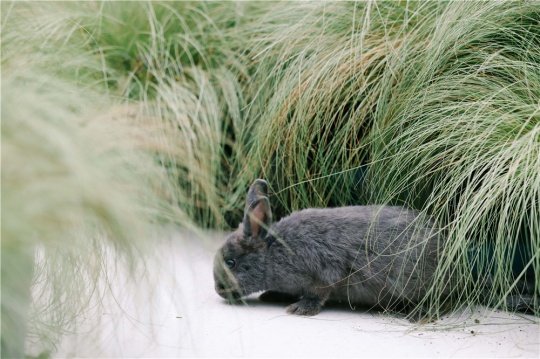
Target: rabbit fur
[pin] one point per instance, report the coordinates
(367, 255)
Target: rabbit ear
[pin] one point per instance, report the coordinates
(257, 218)
(258, 189)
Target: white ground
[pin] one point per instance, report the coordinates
(188, 319)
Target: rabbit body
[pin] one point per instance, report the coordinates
(365, 255)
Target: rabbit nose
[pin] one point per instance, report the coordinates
(222, 291)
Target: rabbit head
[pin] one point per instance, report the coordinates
(239, 264)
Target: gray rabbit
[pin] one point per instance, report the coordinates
(366, 255)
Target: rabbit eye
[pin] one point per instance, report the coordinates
(230, 263)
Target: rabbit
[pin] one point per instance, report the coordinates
(366, 255)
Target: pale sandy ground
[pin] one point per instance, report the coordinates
(186, 318)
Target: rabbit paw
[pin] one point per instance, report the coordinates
(305, 306)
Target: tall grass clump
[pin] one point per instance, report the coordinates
(460, 138)
(317, 87)
(185, 71)
(178, 65)
(426, 104)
